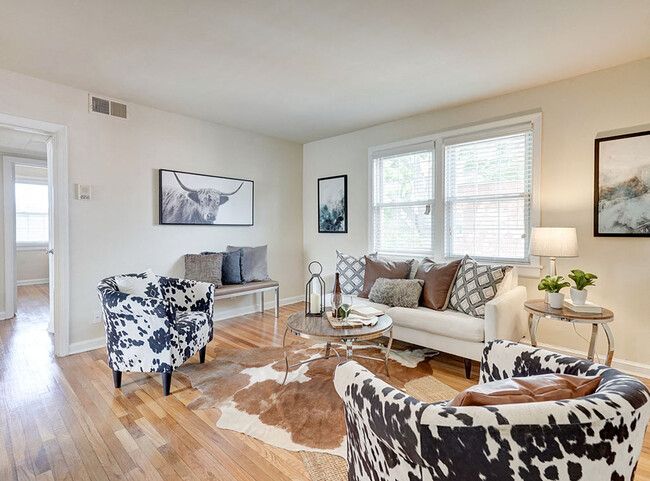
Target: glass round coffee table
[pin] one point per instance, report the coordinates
(319, 329)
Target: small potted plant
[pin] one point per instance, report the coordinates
(581, 279)
(552, 285)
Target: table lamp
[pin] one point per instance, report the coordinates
(554, 242)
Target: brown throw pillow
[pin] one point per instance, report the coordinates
(376, 268)
(204, 268)
(438, 279)
(531, 389)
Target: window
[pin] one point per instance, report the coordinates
(468, 191)
(402, 200)
(488, 193)
(32, 224)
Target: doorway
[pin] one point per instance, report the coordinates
(33, 301)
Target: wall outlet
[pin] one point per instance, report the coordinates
(97, 317)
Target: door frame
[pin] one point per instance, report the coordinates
(57, 165)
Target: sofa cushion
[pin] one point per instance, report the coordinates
(351, 271)
(397, 292)
(361, 302)
(438, 280)
(444, 323)
(531, 389)
(376, 268)
(475, 285)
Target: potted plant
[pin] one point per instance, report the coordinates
(552, 285)
(581, 279)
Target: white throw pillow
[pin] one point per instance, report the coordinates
(144, 284)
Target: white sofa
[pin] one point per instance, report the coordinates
(461, 334)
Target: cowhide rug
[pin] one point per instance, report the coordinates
(306, 414)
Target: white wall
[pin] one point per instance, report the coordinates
(118, 231)
(31, 264)
(575, 111)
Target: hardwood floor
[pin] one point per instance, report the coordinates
(60, 418)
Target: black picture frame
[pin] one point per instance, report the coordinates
(616, 192)
(165, 216)
(327, 225)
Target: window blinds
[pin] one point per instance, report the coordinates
(403, 200)
(488, 196)
(32, 219)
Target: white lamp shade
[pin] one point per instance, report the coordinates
(554, 242)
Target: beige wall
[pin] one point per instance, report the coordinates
(575, 111)
(31, 264)
(118, 231)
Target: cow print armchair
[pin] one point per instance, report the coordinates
(392, 436)
(157, 333)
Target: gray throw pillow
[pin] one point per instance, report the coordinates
(351, 271)
(397, 292)
(253, 263)
(230, 267)
(204, 268)
(475, 285)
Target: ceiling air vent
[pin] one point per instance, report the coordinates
(101, 106)
(118, 110)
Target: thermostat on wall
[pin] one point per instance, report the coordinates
(83, 192)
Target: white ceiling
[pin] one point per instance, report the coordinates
(309, 69)
(22, 143)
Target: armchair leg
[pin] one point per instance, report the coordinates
(167, 382)
(468, 368)
(202, 354)
(117, 379)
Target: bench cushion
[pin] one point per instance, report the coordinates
(243, 288)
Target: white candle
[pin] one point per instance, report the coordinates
(314, 304)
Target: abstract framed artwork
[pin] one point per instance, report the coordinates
(186, 198)
(622, 186)
(333, 205)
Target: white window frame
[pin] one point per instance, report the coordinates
(531, 268)
(31, 246)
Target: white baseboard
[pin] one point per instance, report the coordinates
(629, 367)
(219, 315)
(32, 282)
(88, 345)
(2, 316)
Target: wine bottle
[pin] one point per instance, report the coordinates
(337, 297)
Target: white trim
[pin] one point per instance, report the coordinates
(31, 247)
(220, 315)
(99, 342)
(33, 282)
(628, 367)
(2, 316)
(88, 345)
(57, 164)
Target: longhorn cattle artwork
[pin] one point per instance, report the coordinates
(187, 198)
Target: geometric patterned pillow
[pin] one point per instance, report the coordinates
(475, 285)
(351, 272)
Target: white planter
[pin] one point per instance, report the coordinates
(579, 298)
(556, 300)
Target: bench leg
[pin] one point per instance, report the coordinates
(277, 302)
(262, 302)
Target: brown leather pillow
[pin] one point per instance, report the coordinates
(376, 268)
(531, 389)
(438, 279)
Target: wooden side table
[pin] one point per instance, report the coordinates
(538, 308)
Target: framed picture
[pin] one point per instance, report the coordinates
(333, 204)
(187, 198)
(622, 186)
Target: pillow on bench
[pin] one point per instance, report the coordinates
(253, 264)
(204, 268)
(230, 266)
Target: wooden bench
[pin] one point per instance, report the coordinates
(236, 290)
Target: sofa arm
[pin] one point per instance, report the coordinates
(189, 295)
(505, 317)
(379, 416)
(137, 331)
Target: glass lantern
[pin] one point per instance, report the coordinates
(315, 291)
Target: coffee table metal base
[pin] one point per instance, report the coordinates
(349, 353)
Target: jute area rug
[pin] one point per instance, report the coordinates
(306, 414)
